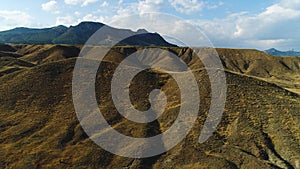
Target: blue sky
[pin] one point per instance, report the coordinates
(259, 24)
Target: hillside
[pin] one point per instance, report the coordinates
(79, 34)
(39, 127)
(282, 71)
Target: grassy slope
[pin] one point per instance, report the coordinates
(39, 128)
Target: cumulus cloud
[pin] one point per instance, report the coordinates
(86, 2)
(94, 18)
(12, 19)
(66, 20)
(268, 23)
(214, 6)
(141, 7)
(166, 25)
(69, 20)
(138, 8)
(276, 26)
(76, 13)
(82, 2)
(104, 4)
(187, 6)
(72, 2)
(149, 6)
(49, 6)
(294, 4)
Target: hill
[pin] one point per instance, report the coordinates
(282, 71)
(39, 127)
(79, 34)
(276, 52)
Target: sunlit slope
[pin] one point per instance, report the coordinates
(39, 128)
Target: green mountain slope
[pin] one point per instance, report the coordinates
(79, 34)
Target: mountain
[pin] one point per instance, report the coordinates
(79, 34)
(276, 52)
(39, 127)
(31, 36)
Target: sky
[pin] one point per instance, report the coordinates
(259, 24)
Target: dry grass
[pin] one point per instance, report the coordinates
(259, 128)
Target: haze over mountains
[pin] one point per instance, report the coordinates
(79, 34)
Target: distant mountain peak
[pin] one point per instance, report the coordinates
(89, 23)
(142, 31)
(20, 28)
(276, 52)
(60, 26)
(272, 49)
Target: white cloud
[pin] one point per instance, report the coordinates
(49, 6)
(294, 4)
(149, 6)
(77, 13)
(277, 26)
(69, 20)
(93, 18)
(72, 2)
(11, 19)
(214, 6)
(187, 6)
(141, 7)
(104, 4)
(269, 23)
(66, 20)
(82, 2)
(166, 25)
(86, 2)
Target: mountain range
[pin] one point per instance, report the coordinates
(276, 52)
(79, 34)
